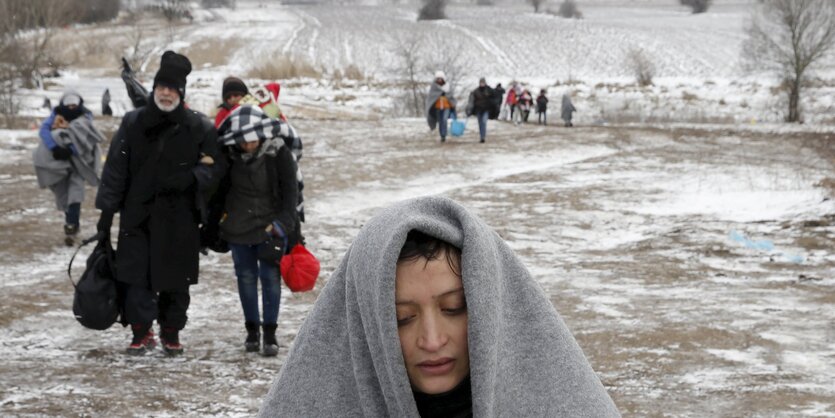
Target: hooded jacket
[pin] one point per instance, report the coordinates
(255, 191)
(346, 359)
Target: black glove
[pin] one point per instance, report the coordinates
(271, 251)
(176, 182)
(209, 238)
(104, 223)
(61, 153)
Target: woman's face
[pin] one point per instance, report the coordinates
(432, 324)
(249, 146)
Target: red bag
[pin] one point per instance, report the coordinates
(299, 269)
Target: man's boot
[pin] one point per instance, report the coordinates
(270, 343)
(70, 233)
(143, 339)
(253, 337)
(170, 339)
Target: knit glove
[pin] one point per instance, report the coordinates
(61, 153)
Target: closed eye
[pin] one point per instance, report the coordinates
(455, 311)
(404, 320)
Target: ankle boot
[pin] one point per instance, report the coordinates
(143, 339)
(253, 337)
(270, 343)
(170, 339)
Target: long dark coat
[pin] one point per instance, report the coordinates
(158, 230)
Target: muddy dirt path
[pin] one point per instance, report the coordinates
(627, 229)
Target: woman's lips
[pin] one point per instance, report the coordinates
(437, 367)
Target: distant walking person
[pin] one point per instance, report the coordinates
(68, 156)
(481, 104)
(498, 97)
(233, 90)
(512, 99)
(567, 110)
(525, 105)
(440, 103)
(106, 110)
(160, 163)
(542, 107)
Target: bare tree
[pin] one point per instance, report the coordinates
(42, 19)
(568, 9)
(697, 6)
(446, 57)
(641, 65)
(139, 49)
(432, 10)
(789, 38)
(411, 66)
(537, 4)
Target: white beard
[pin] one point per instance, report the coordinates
(169, 108)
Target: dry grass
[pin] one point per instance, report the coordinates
(283, 69)
(688, 97)
(210, 53)
(351, 72)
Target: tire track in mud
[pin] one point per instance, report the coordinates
(486, 44)
(308, 22)
(287, 46)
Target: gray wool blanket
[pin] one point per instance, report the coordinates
(346, 360)
(434, 94)
(84, 136)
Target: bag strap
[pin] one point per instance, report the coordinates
(83, 244)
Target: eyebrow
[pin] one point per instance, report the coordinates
(449, 292)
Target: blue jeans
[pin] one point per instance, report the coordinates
(482, 124)
(443, 122)
(249, 269)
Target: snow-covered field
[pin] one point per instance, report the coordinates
(644, 225)
(699, 76)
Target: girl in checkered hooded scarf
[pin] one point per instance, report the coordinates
(254, 211)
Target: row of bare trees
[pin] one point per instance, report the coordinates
(418, 58)
(790, 38)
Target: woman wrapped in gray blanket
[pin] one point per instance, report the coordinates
(431, 314)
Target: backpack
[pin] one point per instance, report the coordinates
(97, 302)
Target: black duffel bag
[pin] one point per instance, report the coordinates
(97, 303)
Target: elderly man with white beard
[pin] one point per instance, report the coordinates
(160, 163)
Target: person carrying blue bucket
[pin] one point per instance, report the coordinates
(440, 104)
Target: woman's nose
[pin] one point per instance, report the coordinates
(432, 336)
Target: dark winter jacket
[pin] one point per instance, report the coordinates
(154, 177)
(481, 100)
(254, 193)
(541, 103)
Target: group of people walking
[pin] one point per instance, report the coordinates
(182, 184)
(414, 321)
(487, 103)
